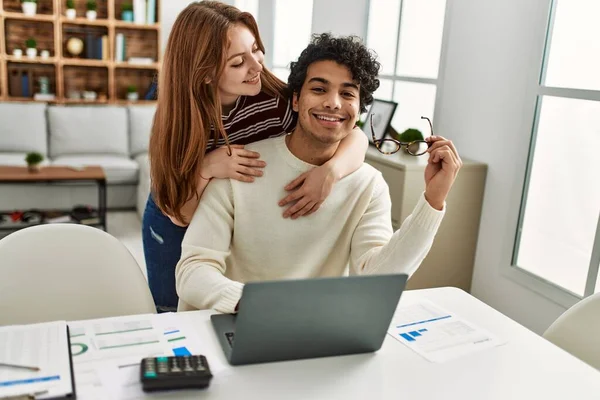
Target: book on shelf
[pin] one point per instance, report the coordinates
(104, 40)
(25, 84)
(44, 96)
(141, 60)
(93, 47)
(139, 12)
(120, 47)
(151, 12)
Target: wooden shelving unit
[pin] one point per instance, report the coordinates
(68, 75)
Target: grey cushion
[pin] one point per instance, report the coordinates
(79, 130)
(140, 126)
(23, 127)
(118, 169)
(16, 160)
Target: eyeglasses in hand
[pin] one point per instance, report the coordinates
(391, 146)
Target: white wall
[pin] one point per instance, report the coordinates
(340, 17)
(169, 10)
(487, 103)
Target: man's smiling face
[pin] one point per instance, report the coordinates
(328, 103)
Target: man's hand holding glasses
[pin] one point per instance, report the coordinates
(442, 166)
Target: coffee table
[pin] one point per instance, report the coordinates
(55, 174)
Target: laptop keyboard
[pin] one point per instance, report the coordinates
(230, 336)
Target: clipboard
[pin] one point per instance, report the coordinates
(38, 367)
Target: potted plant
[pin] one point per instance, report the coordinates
(91, 10)
(33, 161)
(71, 13)
(127, 12)
(132, 93)
(29, 7)
(410, 135)
(31, 44)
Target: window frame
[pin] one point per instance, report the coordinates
(266, 24)
(439, 81)
(548, 289)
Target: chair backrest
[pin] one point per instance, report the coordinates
(577, 330)
(68, 272)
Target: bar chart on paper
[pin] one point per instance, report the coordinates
(436, 334)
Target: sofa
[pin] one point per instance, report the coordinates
(113, 137)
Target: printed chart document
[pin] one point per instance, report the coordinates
(107, 352)
(437, 334)
(35, 360)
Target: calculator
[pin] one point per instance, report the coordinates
(175, 372)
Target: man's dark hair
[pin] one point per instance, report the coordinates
(348, 51)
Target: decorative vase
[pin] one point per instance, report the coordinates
(132, 96)
(127, 16)
(91, 15)
(18, 53)
(45, 54)
(29, 8)
(33, 168)
(32, 52)
(71, 13)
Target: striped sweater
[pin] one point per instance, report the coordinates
(255, 118)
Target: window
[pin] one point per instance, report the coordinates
(407, 37)
(292, 33)
(558, 238)
(250, 6)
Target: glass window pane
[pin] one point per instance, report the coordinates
(293, 23)
(250, 6)
(563, 198)
(421, 31)
(574, 56)
(384, 92)
(414, 100)
(382, 30)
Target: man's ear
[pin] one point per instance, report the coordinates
(295, 102)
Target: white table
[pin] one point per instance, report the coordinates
(527, 367)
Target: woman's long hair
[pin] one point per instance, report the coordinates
(188, 106)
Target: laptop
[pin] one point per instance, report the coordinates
(296, 319)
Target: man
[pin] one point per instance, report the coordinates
(238, 233)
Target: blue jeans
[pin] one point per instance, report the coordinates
(162, 250)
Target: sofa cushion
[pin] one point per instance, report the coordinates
(78, 130)
(23, 128)
(117, 169)
(140, 126)
(16, 160)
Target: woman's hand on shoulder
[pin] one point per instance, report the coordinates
(308, 191)
(242, 165)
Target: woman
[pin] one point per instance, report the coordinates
(214, 96)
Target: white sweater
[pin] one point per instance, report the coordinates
(238, 234)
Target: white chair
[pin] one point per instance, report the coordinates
(577, 330)
(68, 272)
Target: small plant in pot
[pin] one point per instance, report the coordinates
(91, 10)
(33, 161)
(29, 7)
(410, 135)
(127, 12)
(132, 93)
(31, 46)
(71, 13)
